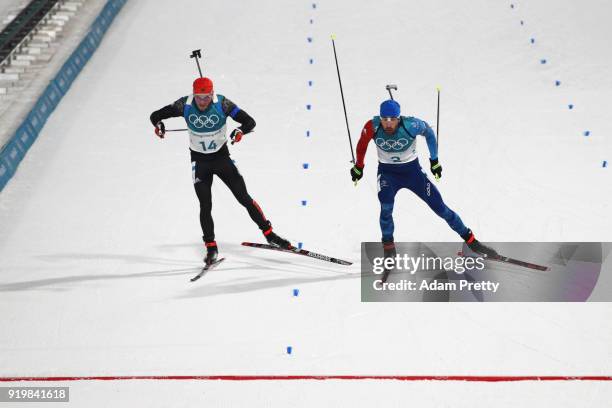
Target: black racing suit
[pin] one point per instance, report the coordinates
(219, 163)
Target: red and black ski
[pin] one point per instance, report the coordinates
(297, 251)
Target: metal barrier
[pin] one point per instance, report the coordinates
(22, 28)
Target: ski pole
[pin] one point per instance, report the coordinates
(176, 130)
(438, 123)
(438, 119)
(333, 37)
(197, 54)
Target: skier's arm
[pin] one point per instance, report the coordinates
(247, 123)
(362, 146)
(169, 111)
(425, 130)
(430, 137)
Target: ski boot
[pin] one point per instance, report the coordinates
(477, 246)
(211, 253)
(389, 251)
(275, 240)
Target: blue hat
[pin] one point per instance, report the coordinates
(389, 109)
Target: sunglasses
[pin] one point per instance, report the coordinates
(203, 97)
(388, 118)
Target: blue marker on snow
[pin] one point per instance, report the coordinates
(300, 245)
(533, 40)
(296, 292)
(309, 83)
(570, 106)
(308, 107)
(604, 164)
(557, 83)
(308, 133)
(542, 61)
(289, 349)
(311, 61)
(587, 133)
(305, 166)
(309, 39)
(303, 203)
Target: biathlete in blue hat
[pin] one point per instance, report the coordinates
(398, 167)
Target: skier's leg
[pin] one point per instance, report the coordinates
(419, 184)
(229, 174)
(202, 182)
(387, 189)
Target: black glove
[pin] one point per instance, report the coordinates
(436, 168)
(356, 173)
(160, 129)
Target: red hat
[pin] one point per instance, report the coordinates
(202, 86)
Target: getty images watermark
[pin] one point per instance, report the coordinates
(450, 272)
(411, 265)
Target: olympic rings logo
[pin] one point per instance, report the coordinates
(396, 145)
(203, 121)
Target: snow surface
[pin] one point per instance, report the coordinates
(99, 229)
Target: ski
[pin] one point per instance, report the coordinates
(206, 269)
(501, 258)
(297, 251)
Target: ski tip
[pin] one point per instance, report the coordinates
(438, 88)
(333, 36)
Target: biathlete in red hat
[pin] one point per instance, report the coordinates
(206, 113)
